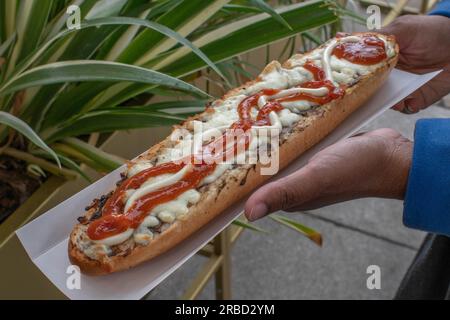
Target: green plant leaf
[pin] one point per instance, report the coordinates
(167, 105)
(106, 160)
(84, 46)
(240, 8)
(105, 8)
(33, 17)
(263, 6)
(5, 45)
(8, 10)
(69, 163)
(162, 30)
(35, 170)
(115, 119)
(85, 70)
(246, 225)
(184, 18)
(259, 30)
(159, 28)
(66, 162)
(166, 92)
(312, 37)
(311, 234)
(19, 125)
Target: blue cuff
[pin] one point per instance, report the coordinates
(442, 8)
(427, 200)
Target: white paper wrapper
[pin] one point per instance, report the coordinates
(45, 238)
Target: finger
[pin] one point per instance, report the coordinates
(399, 106)
(282, 194)
(409, 105)
(358, 134)
(384, 132)
(412, 105)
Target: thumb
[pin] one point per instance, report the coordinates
(282, 194)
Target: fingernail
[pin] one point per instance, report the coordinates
(258, 211)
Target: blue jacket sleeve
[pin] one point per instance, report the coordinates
(442, 8)
(427, 199)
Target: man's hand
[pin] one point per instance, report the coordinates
(374, 164)
(424, 43)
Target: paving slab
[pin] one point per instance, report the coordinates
(284, 265)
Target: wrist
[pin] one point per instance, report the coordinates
(398, 161)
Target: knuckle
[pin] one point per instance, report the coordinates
(389, 132)
(323, 182)
(286, 196)
(386, 133)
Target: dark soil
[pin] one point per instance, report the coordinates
(16, 185)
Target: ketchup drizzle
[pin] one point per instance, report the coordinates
(368, 51)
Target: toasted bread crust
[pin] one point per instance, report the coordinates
(239, 182)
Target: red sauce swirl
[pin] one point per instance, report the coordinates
(368, 51)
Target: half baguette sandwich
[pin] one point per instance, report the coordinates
(170, 191)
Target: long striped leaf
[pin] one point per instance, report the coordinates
(66, 162)
(86, 46)
(114, 119)
(257, 31)
(33, 17)
(106, 160)
(19, 125)
(311, 234)
(106, 8)
(84, 70)
(183, 18)
(246, 225)
(5, 45)
(161, 29)
(167, 105)
(263, 6)
(8, 18)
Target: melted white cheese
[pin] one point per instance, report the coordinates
(142, 235)
(218, 171)
(95, 250)
(301, 105)
(177, 207)
(280, 78)
(138, 167)
(288, 118)
(289, 92)
(225, 113)
(150, 221)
